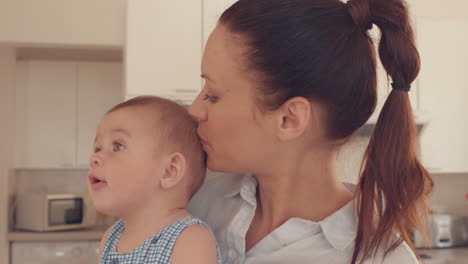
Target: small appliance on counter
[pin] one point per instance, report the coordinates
(54, 212)
(445, 230)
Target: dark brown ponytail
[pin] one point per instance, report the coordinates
(394, 185)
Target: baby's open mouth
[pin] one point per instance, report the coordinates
(95, 180)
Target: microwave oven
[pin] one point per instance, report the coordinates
(54, 212)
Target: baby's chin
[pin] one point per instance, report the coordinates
(107, 210)
(104, 207)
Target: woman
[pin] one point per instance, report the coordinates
(287, 82)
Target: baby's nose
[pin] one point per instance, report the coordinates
(94, 160)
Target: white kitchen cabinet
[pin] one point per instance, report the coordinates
(45, 110)
(58, 106)
(163, 49)
(98, 89)
(59, 23)
(443, 85)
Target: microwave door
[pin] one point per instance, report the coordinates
(65, 211)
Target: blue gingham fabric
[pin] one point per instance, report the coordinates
(155, 250)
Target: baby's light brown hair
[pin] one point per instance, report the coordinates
(178, 133)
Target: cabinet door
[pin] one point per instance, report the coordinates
(163, 49)
(99, 88)
(45, 110)
(443, 81)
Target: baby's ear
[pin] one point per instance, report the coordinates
(174, 171)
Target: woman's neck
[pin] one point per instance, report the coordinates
(304, 186)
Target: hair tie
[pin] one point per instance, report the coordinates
(399, 87)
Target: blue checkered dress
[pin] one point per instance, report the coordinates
(155, 250)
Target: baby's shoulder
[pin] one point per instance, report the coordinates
(195, 244)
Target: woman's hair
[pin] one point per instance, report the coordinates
(321, 50)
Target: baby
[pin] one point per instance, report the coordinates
(147, 164)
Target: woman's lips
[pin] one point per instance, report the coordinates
(202, 139)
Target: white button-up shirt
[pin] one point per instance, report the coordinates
(227, 204)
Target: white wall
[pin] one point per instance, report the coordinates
(7, 133)
(436, 9)
(63, 22)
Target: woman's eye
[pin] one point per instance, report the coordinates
(117, 146)
(211, 98)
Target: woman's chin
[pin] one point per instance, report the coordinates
(218, 166)
(214, 165)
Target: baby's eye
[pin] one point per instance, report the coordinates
(117, 146)
(97, 149)
(211, 98)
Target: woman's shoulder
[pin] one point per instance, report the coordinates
(218, 183)
(401, 254)
(216, 186)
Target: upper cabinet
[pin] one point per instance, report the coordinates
(163, 49)
(45, 111)
(54, 22)
(58, 106)
(442, 42)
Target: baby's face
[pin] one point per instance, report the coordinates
(126, 162)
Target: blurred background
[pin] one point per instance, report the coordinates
(63, 63)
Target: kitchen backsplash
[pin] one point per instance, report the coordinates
(54, 181)
(450, 193)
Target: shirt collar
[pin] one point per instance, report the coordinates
(340, 228)
(242, 184)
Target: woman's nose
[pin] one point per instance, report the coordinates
(197, 109)
(94, 160)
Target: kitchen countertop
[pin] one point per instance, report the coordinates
(445, 256)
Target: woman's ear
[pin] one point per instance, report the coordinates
(294, 117)
(174, 171)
